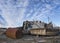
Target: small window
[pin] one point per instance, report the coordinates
(40, 21)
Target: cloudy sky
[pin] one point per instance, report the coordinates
(14, 12)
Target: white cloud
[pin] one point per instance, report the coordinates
(14, 12)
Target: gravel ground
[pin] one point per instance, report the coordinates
(31, 39)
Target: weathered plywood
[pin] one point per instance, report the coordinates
(38, 31)
(51, 33)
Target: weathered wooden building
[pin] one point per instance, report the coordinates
(44, 31)
(40, 28)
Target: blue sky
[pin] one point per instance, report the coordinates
(14, 12)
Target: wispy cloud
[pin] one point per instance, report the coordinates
(17, 11)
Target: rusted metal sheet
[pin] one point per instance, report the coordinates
(14, 33)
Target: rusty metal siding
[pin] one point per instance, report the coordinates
(14, 33)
